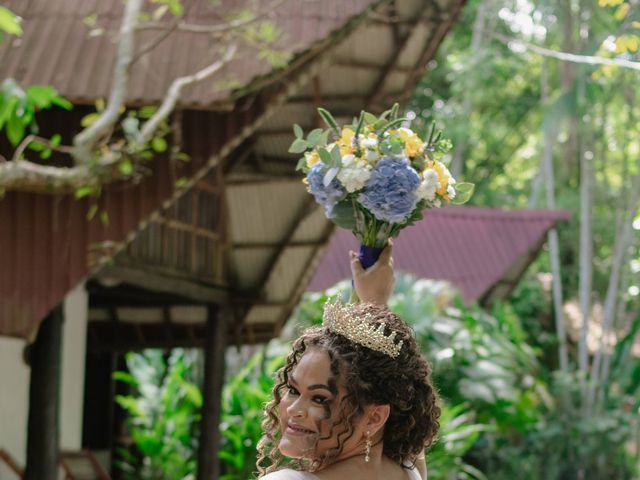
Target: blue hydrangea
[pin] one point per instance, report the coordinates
(326, 196)
(390, 193)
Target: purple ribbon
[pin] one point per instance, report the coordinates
(369, 255)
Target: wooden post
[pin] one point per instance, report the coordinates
(214, 350)
(44, 394)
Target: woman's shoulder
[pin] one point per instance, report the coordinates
(288, 474)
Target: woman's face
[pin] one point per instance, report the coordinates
(309, 408)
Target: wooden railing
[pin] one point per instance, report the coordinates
(11, 463)
(66, 457)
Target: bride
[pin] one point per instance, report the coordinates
(354, 400)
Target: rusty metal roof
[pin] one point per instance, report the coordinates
(62, 47)
(481, 251)
(268, 235)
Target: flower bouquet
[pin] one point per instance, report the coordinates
(376, 176)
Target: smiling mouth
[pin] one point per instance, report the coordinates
(298, 430)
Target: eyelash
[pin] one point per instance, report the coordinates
(319, 399)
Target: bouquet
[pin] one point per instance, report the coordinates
(376, 176)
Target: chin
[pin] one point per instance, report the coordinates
(296, 447)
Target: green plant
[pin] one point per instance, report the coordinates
(163, 415)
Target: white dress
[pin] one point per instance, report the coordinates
(296, 475)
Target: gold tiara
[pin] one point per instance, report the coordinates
(340, 318)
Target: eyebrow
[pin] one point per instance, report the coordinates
(315, 386)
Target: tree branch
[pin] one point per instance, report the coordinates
(86, 140)
(32, 177)
(17, 155)
(567, 57)
(169, 102)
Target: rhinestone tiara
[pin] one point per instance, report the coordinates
(339, 318)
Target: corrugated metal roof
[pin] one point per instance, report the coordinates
(273, 234)
(472, 248)
(58, 48)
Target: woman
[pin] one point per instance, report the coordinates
(353, 400)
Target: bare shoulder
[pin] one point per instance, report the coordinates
(285, 474)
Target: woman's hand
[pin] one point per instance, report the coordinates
(375, 284)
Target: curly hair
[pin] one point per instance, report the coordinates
(369, 378)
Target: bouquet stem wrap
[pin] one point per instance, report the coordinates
(369, 255)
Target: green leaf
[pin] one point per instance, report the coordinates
(56, 138)
(370, 118)
(336, 159)
(298, 146)
(104, 218)
(15, 130)
(125, 167)
(41, 96)
(297, 131)
(343, 216)
(302, 163)
(182, 182)
(84, 192)
(159, 144)
(464, 191)
(9, 22)
(93, 209)
(325, 156)
(89, 119)
(329, 120)
(314, 137)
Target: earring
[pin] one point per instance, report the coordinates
(367, 448)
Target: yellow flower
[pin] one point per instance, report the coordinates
(346, 142)
(312, 158)
(443, 178)
(412, 143)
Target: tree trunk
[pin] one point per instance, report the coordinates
(44, 397)
(554, 249)
(214, 363)
(457, 162)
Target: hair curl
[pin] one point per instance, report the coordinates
(369, 378)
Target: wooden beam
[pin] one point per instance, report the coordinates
(43, 434)
(214, 362)
(163, 280)
(267, 245)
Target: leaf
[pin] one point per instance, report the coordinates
(56, 138)
(325, 156)
(15, 130)
(464, 191)
(182, 182)
(302, 163)
(9, 22)
(159, 144)
(125, 167)
(297, 131)
(41, 96)
(343, 216)
(84, 192)
(329, 120)
(89, 119)
(104, 218)
(330, 175)
(336, 158)
(93, 209)
(298, 146)
(314, 137)
(370, 118)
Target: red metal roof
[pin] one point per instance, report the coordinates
(58, 48)
(473, 248)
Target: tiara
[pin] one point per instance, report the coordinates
(340, 318)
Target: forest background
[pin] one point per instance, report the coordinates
(539, 99)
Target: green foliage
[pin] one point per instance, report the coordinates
(18, 109)
(9, 23)
(163, 415)
(244, 398)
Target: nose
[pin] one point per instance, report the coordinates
(296, 409)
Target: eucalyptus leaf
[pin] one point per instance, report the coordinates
(325, 156)
(297, 131)
(314, 136)
(298, 146)
(330, 175)
(343, 215)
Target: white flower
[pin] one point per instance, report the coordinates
(347, 160)
(451, 191)
(371, 155)
(353, 179)
(427, 189)
(369, 143)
